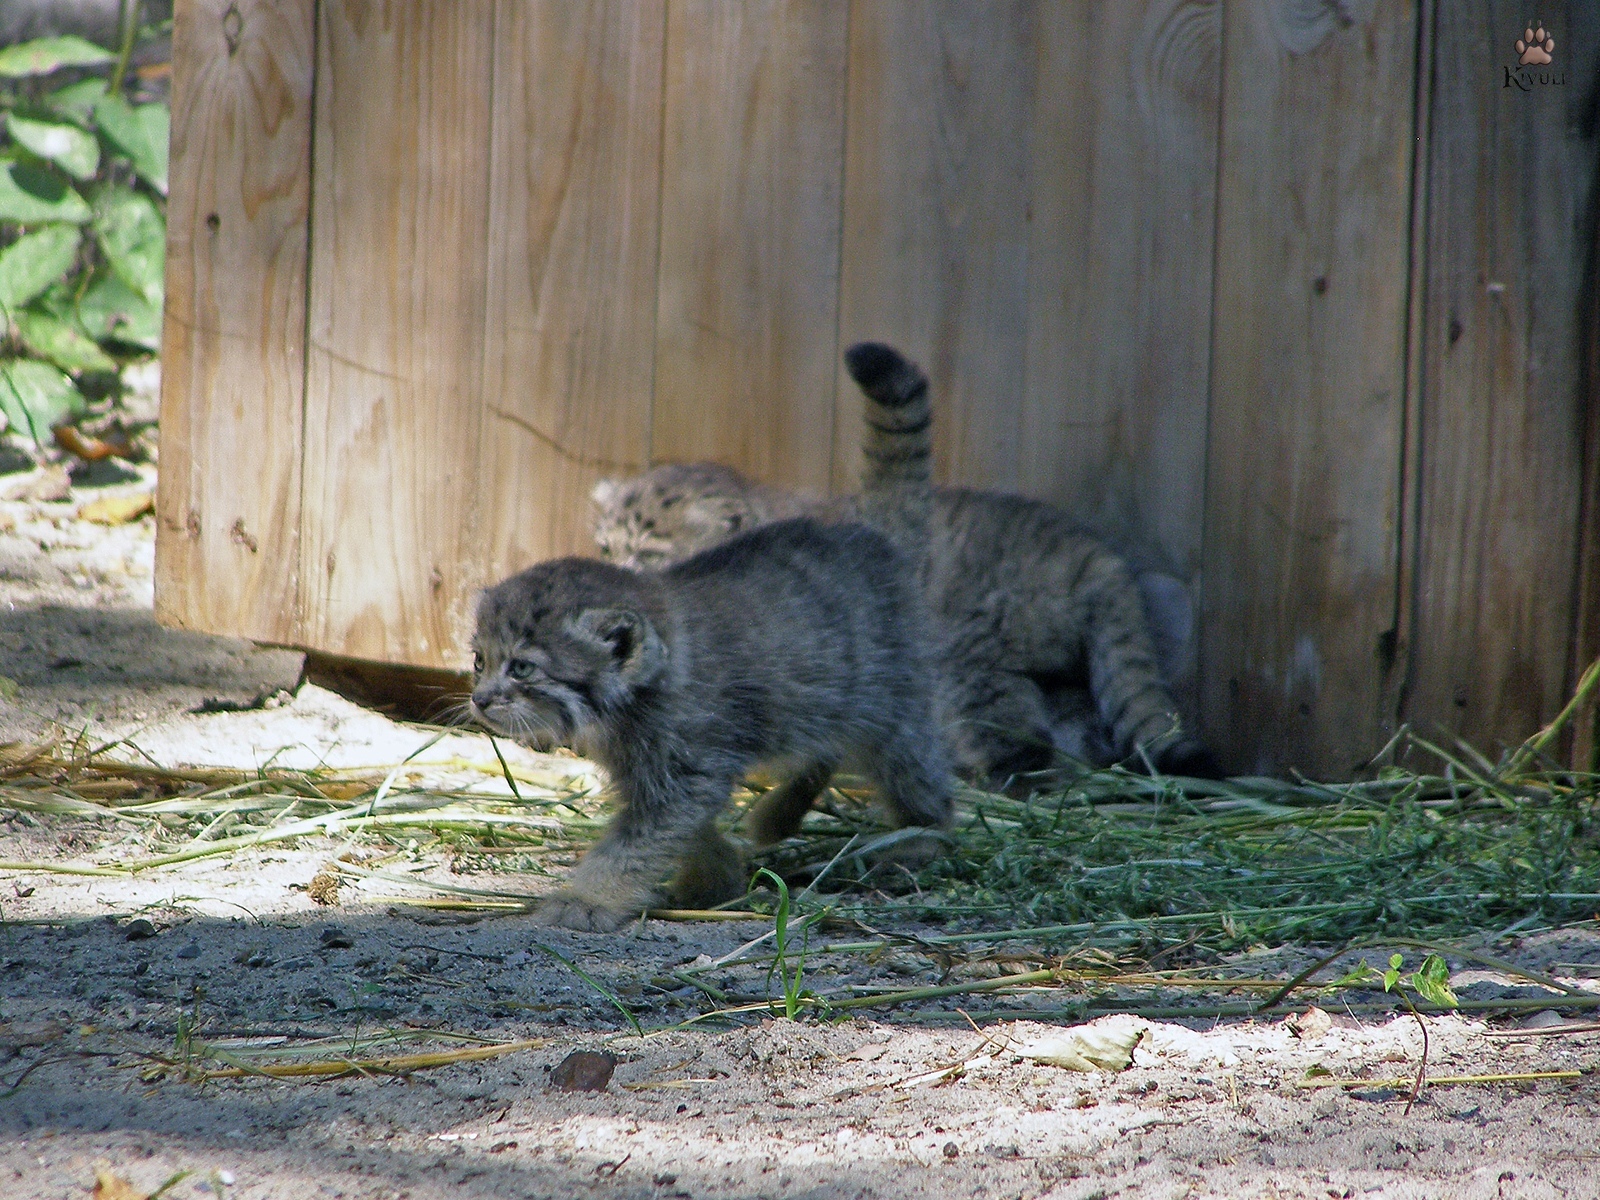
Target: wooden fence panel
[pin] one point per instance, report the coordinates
(1122, 212)
(746, 333)
(390, 553)
(1511, 183)
(574, 203)
(936, 220)
(234, 339)
(1230, 280)
(1303, 478)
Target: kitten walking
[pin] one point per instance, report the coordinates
(799, 645)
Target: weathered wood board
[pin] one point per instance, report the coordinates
(1511, 186)
(574, 226)
(390, 546)
(935, 228)
(1307, 398)
(233, 345)
(747, 320)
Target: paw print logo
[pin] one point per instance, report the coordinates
(1534, 47)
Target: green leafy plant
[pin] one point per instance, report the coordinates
(83, 184)
(1431, 980)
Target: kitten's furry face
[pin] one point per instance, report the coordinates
(561, 648)
(670, 513)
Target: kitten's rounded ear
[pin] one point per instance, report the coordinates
(636, 650)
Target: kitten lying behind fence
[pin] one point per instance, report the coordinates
(799, 645)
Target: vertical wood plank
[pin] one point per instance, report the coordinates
(936, 220)
(1302, 492)
(233, 344)
(1512, 176)
(574, 212)
(1122, 215)
(390, 544)
(752, 145)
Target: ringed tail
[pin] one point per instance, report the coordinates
(899, 442)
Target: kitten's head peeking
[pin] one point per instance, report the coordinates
(563, 648)
(670, 513)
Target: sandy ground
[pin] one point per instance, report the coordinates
(107, 983)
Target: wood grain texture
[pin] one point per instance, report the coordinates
(1585, 748)
(1123, 210)
(1303, 474)
(752, 143)
(1511, 179)
(234, 338)
(936, 220)
(390, 552)
(574, 208)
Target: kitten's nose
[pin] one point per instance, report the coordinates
(481, 699)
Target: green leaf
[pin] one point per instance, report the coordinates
(1394, 961)
(70, 148)
(1361, 975)
(34, 261)
(61, 342)
(111, 311)
(31, 194)
(133, 236)
(141, 133)
(77, 100)
(1432, 981)
(36, 397)
(43, 55)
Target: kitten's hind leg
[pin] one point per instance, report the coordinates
(777, 815)
(712, 873)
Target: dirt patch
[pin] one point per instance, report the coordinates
(121, 995)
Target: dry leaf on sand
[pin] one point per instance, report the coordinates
(117, 510)
(114, 1187)
(1084, 1048)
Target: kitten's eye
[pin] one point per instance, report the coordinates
(477, 662)
(523, 670)
(669, 501)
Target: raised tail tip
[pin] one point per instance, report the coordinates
(884, 373)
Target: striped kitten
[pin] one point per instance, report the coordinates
(1045, 634)
(799, 644)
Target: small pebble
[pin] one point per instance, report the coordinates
(584, 1071)
(138, 929)
(192, 950)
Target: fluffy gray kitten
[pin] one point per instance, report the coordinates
(1044, 634)
(799, 645)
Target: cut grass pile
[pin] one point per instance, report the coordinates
(1122, 859)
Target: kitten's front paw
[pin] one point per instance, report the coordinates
(572, 911)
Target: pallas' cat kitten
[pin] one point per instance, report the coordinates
(1041, 625)
(799, 645)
